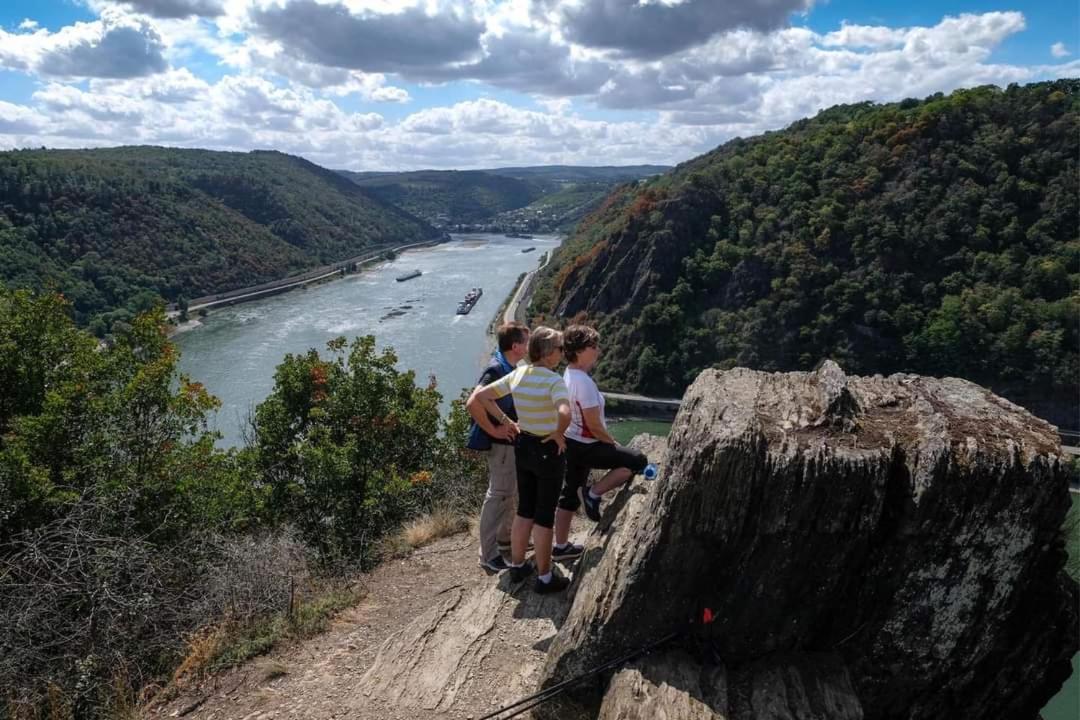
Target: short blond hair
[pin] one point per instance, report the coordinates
(542, 341)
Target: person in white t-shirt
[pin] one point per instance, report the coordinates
(589, 445)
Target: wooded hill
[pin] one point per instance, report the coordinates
(117, 229)
(451, 197)
(458, 196)
(937, 236)
(581, 173)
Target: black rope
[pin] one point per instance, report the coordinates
(539, 698)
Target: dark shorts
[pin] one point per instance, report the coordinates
(583, 457)
(540, 469)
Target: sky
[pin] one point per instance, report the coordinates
(411, 84)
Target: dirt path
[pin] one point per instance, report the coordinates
(436, 637)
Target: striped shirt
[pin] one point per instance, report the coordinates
(537, 392)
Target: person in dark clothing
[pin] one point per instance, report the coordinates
(497, 512)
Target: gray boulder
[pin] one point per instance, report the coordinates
(907, 529)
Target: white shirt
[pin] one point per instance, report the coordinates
(583, 394)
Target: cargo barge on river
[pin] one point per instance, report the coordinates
(471, 298)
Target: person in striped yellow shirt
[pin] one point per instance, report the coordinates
(543, 411)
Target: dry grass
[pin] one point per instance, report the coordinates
(424, 530)
(122, 704)
(202, 648)
(230, 644)
(429, 528)
(59, 704)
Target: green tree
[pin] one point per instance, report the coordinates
(342, 441)
(80, 421)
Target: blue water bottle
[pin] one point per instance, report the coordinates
(650, 472)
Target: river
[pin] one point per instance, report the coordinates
(236, 350)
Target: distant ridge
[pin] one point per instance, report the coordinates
(498, 198)
(448, 196)
(582, 173)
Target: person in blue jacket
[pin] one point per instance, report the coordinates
(500, 501)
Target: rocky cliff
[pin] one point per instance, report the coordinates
(878, 547)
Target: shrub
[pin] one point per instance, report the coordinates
(132, 549)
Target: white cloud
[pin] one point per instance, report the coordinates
(555, 106)
(115, 46)
(19, 120)
(748, 82)
(243, 112)
(256, 56)
(176, 8)
(284, 90)
(172, 87)
(1059, 50)
(864, 36)
(28, 24)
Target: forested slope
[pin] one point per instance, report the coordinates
(116, 229)
(936, 236)
(459, 196)
(451, 197)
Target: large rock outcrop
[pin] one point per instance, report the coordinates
(887, 547)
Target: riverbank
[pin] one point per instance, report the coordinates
(183, 327)
(501, 312)
(513, 307)
(359, 263)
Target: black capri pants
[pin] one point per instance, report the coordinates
(540, 469)
(583, 457)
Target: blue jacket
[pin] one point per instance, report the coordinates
(498, 367)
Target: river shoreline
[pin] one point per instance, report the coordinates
(327, 273)
(253, 293)
(511, 308)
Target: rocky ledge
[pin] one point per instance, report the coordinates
(878, 547)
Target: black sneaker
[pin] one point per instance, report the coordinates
(558, 583)
(519, 573)
(570, 550)
(495, 564)
(592, 506)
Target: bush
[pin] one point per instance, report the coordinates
(341, 443)
(133, 549)
(84, 606)
(109, 482)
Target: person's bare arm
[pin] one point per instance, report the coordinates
(482, 402)
(595, 422)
